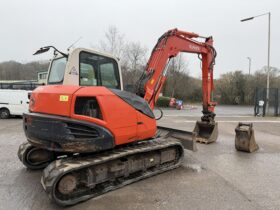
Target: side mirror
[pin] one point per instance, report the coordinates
(42, 50)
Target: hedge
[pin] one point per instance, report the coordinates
(163, 101)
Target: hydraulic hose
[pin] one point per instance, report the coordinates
(161, 113)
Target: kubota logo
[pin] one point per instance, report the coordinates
(193, 47)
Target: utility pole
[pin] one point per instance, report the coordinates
(268, 56)
(250, 61)
(268, 66)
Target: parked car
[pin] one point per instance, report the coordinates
(13, 102)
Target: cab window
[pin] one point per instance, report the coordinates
(87, 75)
(108, 76)
(57, 71)
(97, 70)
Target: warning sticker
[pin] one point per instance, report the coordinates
(63, 98)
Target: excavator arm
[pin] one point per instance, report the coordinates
(152, 80)
(168, 46)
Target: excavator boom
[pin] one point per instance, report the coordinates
(169, 45)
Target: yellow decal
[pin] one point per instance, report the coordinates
(152, 81)
(63, 98)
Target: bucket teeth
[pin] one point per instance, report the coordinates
(245, 138)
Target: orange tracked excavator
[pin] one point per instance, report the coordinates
(92, 137)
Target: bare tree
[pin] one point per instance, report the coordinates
(133, 62)
(132, 55)
(135, 54)
(113, 42)
(12, 70)
(177, 77)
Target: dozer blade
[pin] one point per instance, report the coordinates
(245, 138)
(207, 132)
(186, 138)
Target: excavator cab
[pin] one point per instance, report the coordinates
(83, 67)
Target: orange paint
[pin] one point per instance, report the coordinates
(126, 123)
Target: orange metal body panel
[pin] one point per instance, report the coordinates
(147, 128)
(46, 99)
(126, 123)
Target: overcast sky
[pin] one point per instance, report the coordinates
(27, 25)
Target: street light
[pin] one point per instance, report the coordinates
(250, 61)
(268, 55)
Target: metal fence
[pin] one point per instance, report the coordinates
(261, 102)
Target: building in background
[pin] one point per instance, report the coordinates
(42, 77)
(24, 84)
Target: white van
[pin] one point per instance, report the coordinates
(13, 102)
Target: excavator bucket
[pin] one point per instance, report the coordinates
(207, 132)
(245, 138)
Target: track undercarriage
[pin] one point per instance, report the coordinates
(69, 181)
(71, 178)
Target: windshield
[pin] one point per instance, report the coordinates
(57, 71)
(98, 70)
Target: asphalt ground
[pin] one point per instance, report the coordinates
(214, 177)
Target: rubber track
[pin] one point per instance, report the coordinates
(22, 152)
(57, 169)
(22, 149)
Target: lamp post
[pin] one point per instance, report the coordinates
(250, 61)
(268, 55)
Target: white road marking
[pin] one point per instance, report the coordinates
(232, 121)
(251, 121)
(239, 116)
